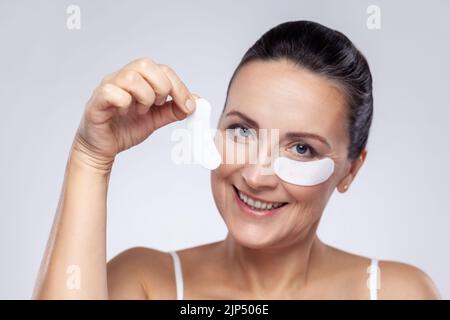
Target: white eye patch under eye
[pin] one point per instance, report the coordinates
(303, 173)
(203, 148)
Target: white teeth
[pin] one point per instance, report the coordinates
(258, 204)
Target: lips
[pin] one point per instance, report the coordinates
(256, 206)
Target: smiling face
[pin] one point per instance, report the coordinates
(309, 113)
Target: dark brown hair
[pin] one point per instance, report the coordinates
(329, 53)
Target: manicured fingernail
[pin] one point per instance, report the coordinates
(190, 105)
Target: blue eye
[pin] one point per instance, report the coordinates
(304, 149)
(301, 148)
(245, 132)
(240, 132)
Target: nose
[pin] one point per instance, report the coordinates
(259, 175)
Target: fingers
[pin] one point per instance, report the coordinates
(144, 83)
(134, 83)
(105, 96)
(164, 82)
(109, 94)
(154, 76)
(180, 93)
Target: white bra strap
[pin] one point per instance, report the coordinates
(373, 279)
(178, 274)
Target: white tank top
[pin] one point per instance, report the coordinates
(372, 281)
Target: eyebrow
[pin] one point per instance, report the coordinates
(289, 135)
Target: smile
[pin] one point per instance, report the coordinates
(256, 206)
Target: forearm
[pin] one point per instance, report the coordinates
(77, 242)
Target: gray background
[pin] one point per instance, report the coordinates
(397, 208)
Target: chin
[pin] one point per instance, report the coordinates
(250, 235)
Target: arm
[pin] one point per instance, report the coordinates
(123, 111)
(74, 264)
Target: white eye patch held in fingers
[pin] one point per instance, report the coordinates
(203, 148)
(303, 173)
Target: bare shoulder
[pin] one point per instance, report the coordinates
(135, 272)
(397, 280)
(404, 281)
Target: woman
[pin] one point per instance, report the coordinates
(306, 81)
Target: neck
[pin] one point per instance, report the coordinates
(275, 270)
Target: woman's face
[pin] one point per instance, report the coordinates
(278, 95)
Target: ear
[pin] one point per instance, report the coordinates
(355, 165)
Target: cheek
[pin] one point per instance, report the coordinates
(221, 185)
(224, 172)
(226, 169)
(311, 199)
(315, 196)
(222, 177)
